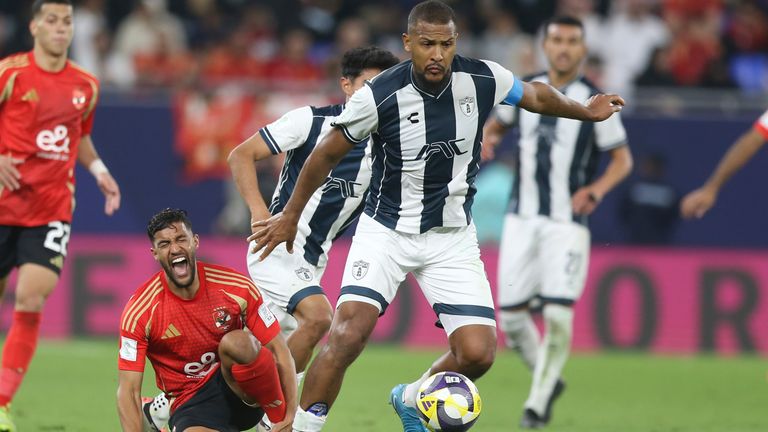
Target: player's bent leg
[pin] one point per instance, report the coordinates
(251, 372)
(34, 284)
(473, 350)
(521, 334)
(314, 315)
(352, 325)
(553, 354)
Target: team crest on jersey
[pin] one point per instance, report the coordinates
(304, 274)
(467, 105)
(359, 269)
(222, 319)
(78, 99)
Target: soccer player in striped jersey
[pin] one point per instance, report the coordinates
(545, 242)
(425, 117)
(212, 340)
(698, 202)
(46, 115)
(292, 281)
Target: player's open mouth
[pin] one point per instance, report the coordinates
(180, 267)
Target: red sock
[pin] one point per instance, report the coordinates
(260, 380)
(17, 353)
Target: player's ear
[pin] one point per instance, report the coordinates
(346, 85)
(406, 42)
(197, 241)
(154, 253)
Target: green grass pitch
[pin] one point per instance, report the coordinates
(71, 387)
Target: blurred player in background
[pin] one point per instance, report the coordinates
(425, 118)
(696, 203)
(214, 343)
(46, 117)
(545, 242)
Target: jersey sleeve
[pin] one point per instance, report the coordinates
(761, 125)
(610, 133)
(360, 117)
(133, 341)
(261, 321)
(89, 113)
(509, 89)
(289, 131)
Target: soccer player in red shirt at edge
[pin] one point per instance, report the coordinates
(46, 117)
(215, 346)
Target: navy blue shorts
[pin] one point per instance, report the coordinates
(215, 406)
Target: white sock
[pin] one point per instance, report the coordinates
(412, 390)
(553, 354)
(521, 335)
(307, 422)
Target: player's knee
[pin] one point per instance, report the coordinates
(238, 346)
(345, 343)
(559, 320)
(317, 325)
(514, 321)
(30, 301)
(476, 358)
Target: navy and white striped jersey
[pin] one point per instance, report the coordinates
(557, 155)
(335, 205)
(426, 148)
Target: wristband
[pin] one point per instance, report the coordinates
(97, 167)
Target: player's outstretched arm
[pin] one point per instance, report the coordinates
(698, 202)
(281, 228)
(89, 158)
(544, 99)
(241, 162)
(129, 400)
(493, 132)
(286, 369)
(586, 199)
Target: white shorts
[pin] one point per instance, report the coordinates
(542, 258)
(445, 262)
(285, 278)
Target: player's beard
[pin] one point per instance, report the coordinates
(191, 268)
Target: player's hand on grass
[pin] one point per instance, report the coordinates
(697, 203)
(585, 201)
(111, 192)
(9, 174)
(603, 106)
(270, 233)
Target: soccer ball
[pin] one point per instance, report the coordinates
(448, 402)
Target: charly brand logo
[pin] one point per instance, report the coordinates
(345, 187)
(447, 149)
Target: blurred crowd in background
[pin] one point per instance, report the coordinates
(239, 64)
(161, 43)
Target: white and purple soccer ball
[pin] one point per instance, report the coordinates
(448, 402)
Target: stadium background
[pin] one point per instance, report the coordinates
(184, 81)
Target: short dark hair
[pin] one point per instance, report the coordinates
(564, 20)
(37, 6)
(356, 60)
(432, 12)
(166, 218)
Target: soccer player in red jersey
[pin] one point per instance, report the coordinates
(215, 346)
(46, 116)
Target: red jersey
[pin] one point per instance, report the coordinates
(181, 337)
(43, 116)
(762, 125)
